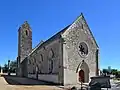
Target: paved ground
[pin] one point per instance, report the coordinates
(18, 83)
(13, 85)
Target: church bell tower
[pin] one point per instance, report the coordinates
(24, 41)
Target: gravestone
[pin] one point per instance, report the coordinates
(100, 82)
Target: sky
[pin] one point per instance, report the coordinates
(47, 17)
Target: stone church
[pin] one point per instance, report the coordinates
(68, 57)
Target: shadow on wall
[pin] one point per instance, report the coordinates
(14, 80)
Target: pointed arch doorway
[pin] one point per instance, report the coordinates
(83, 72)
(81, 76)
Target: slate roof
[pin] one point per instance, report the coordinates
(57, 35)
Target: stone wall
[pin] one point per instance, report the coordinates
(78, 32)
(46, 58)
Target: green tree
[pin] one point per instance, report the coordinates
(0, 68)
(105, 71)
(5, 68)
(118, 72)
(114, 71)
(13, 66)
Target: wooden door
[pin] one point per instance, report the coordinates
(81, 75)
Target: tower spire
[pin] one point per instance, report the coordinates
(26, 25)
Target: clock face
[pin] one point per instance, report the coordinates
(83, 49)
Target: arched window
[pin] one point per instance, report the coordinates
(40, 66)
(26, 33)
(34, 60)
(50, 64)
(29, 61)
(41, 57)
(51, 54)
